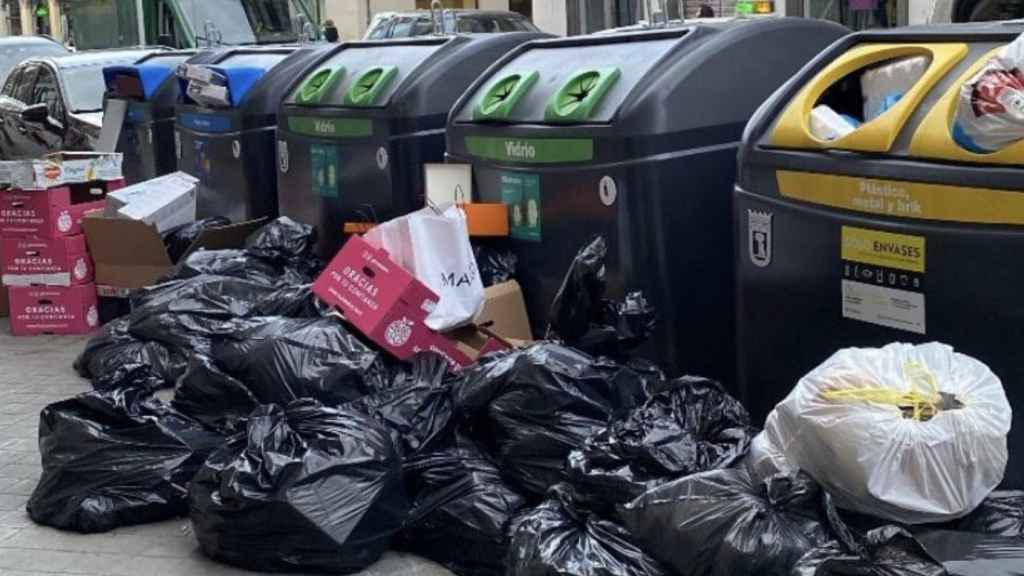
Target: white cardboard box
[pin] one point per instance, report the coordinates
(165, 202)
(62, 168)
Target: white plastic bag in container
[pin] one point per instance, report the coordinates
(883, 86)
(827, 124)
(990, 113)
(433, 245)
(912, 434)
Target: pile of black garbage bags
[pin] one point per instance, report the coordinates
(293, 444)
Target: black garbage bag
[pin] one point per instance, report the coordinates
(284, 359)
(496, 265)
(284, 241)
(461, 509)
(886, 550)
(417, 404)
(220, 297)
(179, 239)
(114, 459)
(295, 301)
(1002, 514)
(581, 294)
(538, 404)
(208, 395)
(694, 426)
(722, 523)
(973, 554)
(116, 359)
(237, 264)
(186, 334)
(620, 327)
(558, 538)
(583, 318)
(306, 488)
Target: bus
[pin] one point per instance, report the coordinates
(99, 24)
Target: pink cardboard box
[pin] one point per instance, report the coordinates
(45, 261)
(384, 302)
(53, 309)
(51, 213)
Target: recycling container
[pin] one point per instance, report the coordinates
(889, 233)
(231, 148)
(150, 91)
(358, 126)
(633, 136)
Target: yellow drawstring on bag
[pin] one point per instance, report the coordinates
(921, 402)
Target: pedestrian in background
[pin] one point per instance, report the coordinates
(330, 31)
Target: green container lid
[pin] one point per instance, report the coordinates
(368, 86)
(319, 84)
(501, 98)
(576, 100)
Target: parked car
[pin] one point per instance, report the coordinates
(56, 103)
(418, 23)
(15, 49)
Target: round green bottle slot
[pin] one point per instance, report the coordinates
(576, 91)
(314, 89)
(499, 93)
(580, 95)
(369, 85)
(499, 100)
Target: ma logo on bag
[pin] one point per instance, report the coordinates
(759, 237)
(450, 280)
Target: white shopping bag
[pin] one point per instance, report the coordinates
(433, 245)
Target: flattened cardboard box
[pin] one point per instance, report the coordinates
(129, 254)
(63, 168)
(53, 310)
(45, 261)
(167, 201)
(384, 302)
(54, 212)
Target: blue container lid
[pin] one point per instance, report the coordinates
(150, 75)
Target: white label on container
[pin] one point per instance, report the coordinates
(884, 306)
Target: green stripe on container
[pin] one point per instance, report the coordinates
(331, 127)
(532, 150)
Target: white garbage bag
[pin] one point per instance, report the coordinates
(883, 86)
(990, 113)
(433, 245)
(912, 434)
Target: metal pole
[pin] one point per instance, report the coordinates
(140, 17)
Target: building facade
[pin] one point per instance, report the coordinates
(28, 17)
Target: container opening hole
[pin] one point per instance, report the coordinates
(865, 94)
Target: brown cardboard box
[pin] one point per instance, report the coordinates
(504, 316)
(130, 254)
(505, 312)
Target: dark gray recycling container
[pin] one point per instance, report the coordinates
(902, 236)
(231, 149)
(150, 89)
(633, 136)
(360, 122)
